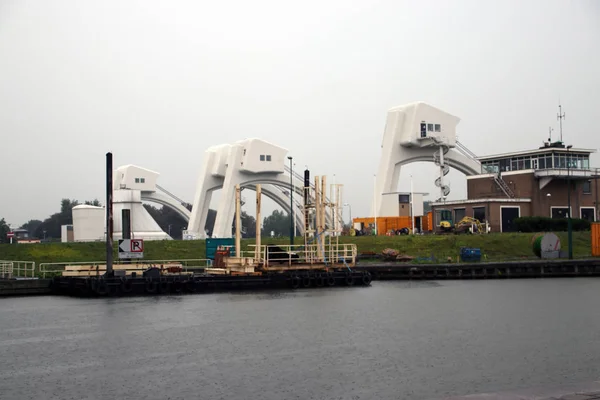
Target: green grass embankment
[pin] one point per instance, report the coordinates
(496, 247)
(96, 251)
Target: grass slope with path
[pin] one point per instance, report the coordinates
(495, 246)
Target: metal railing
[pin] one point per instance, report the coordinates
(99, 267)
(19, 269)
(309, 254)
(463, 149)
(6, 270)
(504, 186)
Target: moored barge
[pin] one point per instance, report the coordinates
(320, 262)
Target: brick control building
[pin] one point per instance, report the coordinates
(528, 183)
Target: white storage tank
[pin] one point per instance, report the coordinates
(88, 223)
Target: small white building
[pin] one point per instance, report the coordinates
(398, 204)
(66, 233)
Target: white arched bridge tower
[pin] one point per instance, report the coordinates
(420, 132)
(246, 163)
(413, 132)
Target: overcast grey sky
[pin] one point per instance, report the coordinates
(157, 83)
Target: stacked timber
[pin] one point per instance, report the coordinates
(99, 269)
(234, 266)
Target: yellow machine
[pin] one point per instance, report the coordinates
(467, 222)
(463, 226)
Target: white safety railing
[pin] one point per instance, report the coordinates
(6, 270)
(344, 254)
(99, 267)
(19, 269)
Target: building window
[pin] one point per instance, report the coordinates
(403, 198)
(268, 157)
(137, 180)
(459, 214)
(430, 127)
(262, 157)
(244, 151)
(423, 129)
(142, 180)
(490, 168)
(438, 128)
(542, 163)
(560, 212)
(587, 187)
(479, 213)
(588, 213)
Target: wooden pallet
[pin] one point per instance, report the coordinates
(93, 270)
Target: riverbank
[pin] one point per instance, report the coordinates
(495, 247)
(180, 284)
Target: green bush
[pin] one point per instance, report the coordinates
(546, 224)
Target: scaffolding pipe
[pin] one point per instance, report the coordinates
(317, 236)
(238, 222)
(322, 235)
(257, 251)
(323, 203)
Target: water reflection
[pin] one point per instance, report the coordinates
(393, 340)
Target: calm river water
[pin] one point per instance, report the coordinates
(393, 340)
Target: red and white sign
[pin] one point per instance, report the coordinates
(10, 235)
(131, 248)
(136, 245)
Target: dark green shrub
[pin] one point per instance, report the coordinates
(546, 224)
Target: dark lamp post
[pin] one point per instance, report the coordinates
(292, 233)
(569, 226)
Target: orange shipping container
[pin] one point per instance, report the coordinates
(386, 224)
(428, 222)
(596, 239)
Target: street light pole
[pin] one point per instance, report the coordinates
(292, 233)
(412, 209)
(295, 221)
(375, 201)
(569, 225)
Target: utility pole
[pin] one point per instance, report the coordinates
(412, 209)
(109, 214)
(375, 201)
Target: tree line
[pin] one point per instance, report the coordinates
(168, 220)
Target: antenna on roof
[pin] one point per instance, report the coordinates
(550, 134)
(560, 117)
